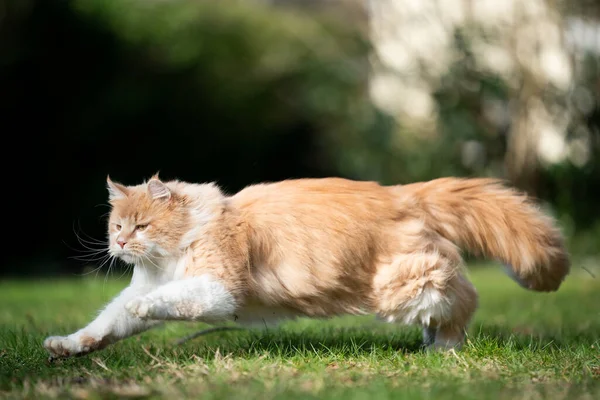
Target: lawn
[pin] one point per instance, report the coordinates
(521, 345)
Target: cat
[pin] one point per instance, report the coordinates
(317, 248)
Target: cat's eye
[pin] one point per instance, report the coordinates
(118, 227)
(141, 227)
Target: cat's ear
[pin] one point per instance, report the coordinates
(158, 190)
(115, 190)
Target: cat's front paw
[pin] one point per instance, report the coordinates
(62, 346)
(139, 307)
(73, 345)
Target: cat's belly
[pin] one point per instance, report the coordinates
(258, 314)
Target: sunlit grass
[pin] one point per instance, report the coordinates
(521, 345)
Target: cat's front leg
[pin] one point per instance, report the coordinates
(200, 298)
(112, 324)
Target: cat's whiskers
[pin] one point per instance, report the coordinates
(110, 265)
(89, 249)
(125, 272)
(110, 258)
(91, 242)
(128, 267)
(88, 253)
(147, 257)
(92, 251)
(104, 260)
(90, 257)
(89, 239)
(106, 213)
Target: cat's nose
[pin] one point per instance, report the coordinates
(121, 242)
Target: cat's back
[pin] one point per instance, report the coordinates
(326, 196)
(316, 215)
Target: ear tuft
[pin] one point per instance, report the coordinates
(115, 190)
(158, 190)
(155, 176)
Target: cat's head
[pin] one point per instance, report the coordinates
(146, 222)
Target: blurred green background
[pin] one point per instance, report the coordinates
(244, 91)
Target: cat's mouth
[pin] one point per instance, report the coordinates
(128, 258)
(134, 256)
(125, 256)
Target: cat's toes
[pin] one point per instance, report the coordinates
(139, 307)
(73, 345)
(62, 346)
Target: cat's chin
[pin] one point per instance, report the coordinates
(129, 259)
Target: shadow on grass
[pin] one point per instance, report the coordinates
(22, 358)
(357, 342)
(354, 342)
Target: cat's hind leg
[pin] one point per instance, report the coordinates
(427, 288)
(201, 298)
(450, 331)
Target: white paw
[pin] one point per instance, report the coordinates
(63, 346)
(139, 307)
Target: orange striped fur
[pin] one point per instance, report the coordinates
(324, 247)
(318, 248)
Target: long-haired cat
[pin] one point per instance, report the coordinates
(316, 248)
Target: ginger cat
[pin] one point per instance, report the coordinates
(316, 248)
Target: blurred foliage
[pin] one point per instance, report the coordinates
(231, 91)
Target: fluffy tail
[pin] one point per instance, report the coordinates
(491, 220)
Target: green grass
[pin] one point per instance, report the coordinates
(521, 345)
